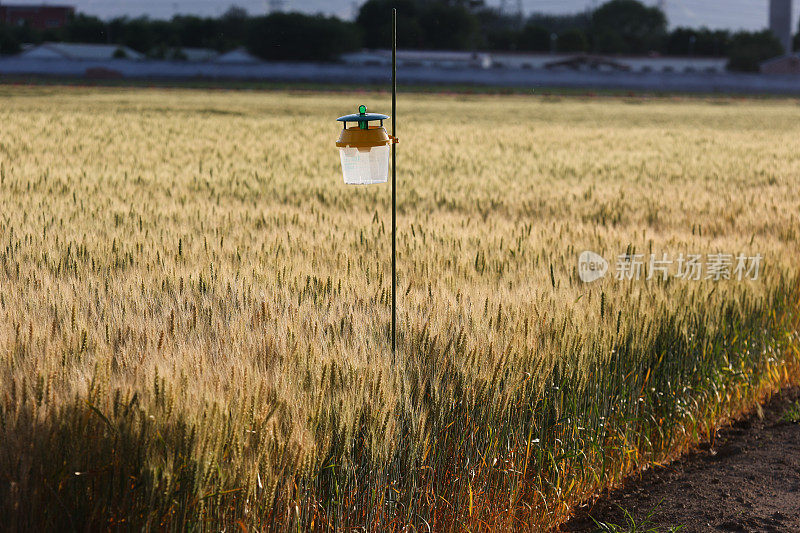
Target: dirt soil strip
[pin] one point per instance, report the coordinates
(748, 480)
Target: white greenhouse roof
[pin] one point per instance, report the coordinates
(78, 51)
(197, 54)
(239, 55)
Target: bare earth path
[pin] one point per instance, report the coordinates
(748, 481)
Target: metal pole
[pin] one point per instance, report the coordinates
(394, 180)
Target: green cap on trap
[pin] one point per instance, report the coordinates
(362, 118)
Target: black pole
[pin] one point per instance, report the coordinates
(394, 180)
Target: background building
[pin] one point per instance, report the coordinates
(40, 17)
(80, 52)
(788, 64)
(780, 22)
(517, 61)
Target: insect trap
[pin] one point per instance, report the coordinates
(364, 149)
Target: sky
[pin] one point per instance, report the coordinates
(732, 14)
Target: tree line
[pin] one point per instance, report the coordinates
(615, 27)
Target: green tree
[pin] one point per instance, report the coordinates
(200, 32)
(560, 23)
(628, 26)
(497, 30)
(375, 21)
(14, 36)
(500, 39)
(534, 38)
(438, 24)
(9, 45)
(449, 26)
(135, 33)
(294, 36)
(749, 49)
(572, 40)
(85, 29)
(701, 42)
(232, 28)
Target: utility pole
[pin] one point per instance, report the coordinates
(394, 184)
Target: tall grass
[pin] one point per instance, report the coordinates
(194, 309)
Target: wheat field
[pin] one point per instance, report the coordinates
(194, 309)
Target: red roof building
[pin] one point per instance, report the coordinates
(788, 64)
(40, 17)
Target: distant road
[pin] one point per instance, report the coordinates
(348, 74)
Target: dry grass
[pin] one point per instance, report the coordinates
(194, 308)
